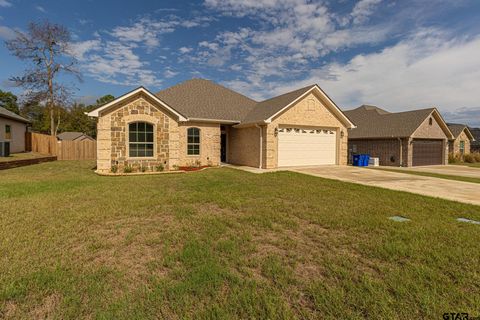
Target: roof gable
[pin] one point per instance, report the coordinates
(457, 129)
(269, 109)
(372, 123)
(139, 90)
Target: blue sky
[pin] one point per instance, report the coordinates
(399, 55)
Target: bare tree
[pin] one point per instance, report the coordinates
(47, 47)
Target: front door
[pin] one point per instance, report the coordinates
(223, 147)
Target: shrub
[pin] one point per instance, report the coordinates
(454, 157)
(160, 167)
(476, 156)
(128, 169)
(176, 167)
(143, 168)
(114, 169)
(468, 158)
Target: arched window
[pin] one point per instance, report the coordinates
(140, 139)
(193, 141)
(430, 121)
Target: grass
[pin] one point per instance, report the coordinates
(431, 174)
(473, 165)
(226, 244)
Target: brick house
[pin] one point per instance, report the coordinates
(199, 121)
(411, 138)
(462, 138)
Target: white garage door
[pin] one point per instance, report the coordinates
(306, 146)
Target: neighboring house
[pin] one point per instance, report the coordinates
(12, 129)
(74, 136)
(475, 144)
(411, 138)
(200, 122)
(462, 137)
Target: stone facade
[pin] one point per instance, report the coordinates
(310, 111)
(170, 138)
(454, 145)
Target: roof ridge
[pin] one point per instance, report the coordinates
(290, 92)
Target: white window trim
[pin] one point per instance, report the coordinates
(199, 144)
(127, 139)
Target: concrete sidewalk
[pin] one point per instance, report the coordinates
(451, 170)
(435, 187)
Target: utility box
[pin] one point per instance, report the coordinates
(374, 162)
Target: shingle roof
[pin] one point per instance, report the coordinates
(200, 98)
(71, 135)
(458, 128)
(374, 122)
(476, 135)
(10, 115)
(267, 108)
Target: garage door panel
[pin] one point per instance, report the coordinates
(427, 152)
(306, 146)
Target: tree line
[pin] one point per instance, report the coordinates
(69, 118)
(47, 99)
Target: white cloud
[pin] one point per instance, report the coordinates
(7, 33)
(169, 73)
(184, 50)
(288, 35)
(5, 3)
(79, 49)
(363, 9)
(40, 8)
(428, 69)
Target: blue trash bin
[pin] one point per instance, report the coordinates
(366, 160)
(356, 160)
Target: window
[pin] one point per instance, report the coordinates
(8, 132)
(193, 141)
(140, 138)
(462, 147)
(430, 121)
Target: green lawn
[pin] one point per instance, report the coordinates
(473, 165)
(223, 243)
(431, 174)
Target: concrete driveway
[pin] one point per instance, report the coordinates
(452, 170)
(435, 187)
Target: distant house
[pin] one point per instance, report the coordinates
(411, 138)
(12, 129)
(475, 145)
(462, 138)
(74, 136)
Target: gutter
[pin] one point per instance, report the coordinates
(261, 146)
(213, 120)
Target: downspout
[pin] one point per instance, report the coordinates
(401, 152)
(261, 146)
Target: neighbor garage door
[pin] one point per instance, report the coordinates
(427, 152)
(306, 146)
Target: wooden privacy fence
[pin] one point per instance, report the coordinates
(64, 150)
